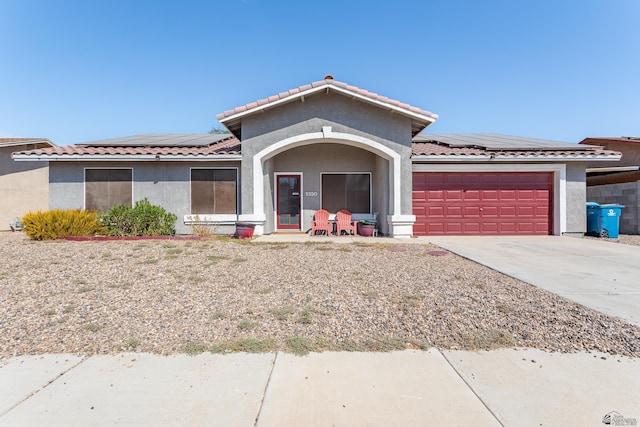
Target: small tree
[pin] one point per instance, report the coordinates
(219, 131)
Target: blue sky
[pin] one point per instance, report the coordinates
(78, 71)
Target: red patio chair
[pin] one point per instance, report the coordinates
(344, 223)
(321, 222)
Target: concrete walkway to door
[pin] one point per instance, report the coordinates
(598, 274)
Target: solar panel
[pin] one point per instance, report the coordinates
(161, 140)
(497, 142)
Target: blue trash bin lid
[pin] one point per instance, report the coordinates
(592, 204)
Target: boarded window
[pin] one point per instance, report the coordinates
(346, 191)
(214, 191)
(105, 188)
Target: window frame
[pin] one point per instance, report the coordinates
(84, 183)
(211, 214)
(369, 174)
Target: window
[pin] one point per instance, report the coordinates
(105, 188)
(350, 191)
(214, 191)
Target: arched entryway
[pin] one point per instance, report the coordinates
(282, 160)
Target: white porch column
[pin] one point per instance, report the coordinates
(401, 225)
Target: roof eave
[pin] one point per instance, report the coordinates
(560, 158)
(447, 158)
(613, 169)
(501, 158)
(120, 158)
(216, 157)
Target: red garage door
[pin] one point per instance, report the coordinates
(482, 203)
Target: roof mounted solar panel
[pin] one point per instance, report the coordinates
(161, 140)
(497, 142)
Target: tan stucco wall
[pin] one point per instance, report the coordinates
(630, 154)
(24, 187)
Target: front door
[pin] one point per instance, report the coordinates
(288, 202)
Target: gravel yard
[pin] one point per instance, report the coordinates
(625, 239)
(175, 296)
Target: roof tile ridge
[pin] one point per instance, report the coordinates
(328, 82)
(336, 83)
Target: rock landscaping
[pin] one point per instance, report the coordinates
(222, 295)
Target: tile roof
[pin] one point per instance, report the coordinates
(422, 118)
(424, 147)
(226, 146)
(494, 141)
(434, 150)
(330, 83)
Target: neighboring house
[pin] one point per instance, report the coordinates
(617, 182)
(24, 186)
(334, 146)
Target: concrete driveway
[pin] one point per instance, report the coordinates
(598, 274)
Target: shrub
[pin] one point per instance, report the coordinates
(202, 229)
(144, 219)
(58, 223)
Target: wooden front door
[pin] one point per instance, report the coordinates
(288, 202)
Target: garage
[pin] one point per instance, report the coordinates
(483, 203)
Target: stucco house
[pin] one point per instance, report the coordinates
(24, 186)
(617, 182)
(334, 146)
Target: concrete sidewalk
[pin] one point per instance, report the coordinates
(598, 274)
(505, 387)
